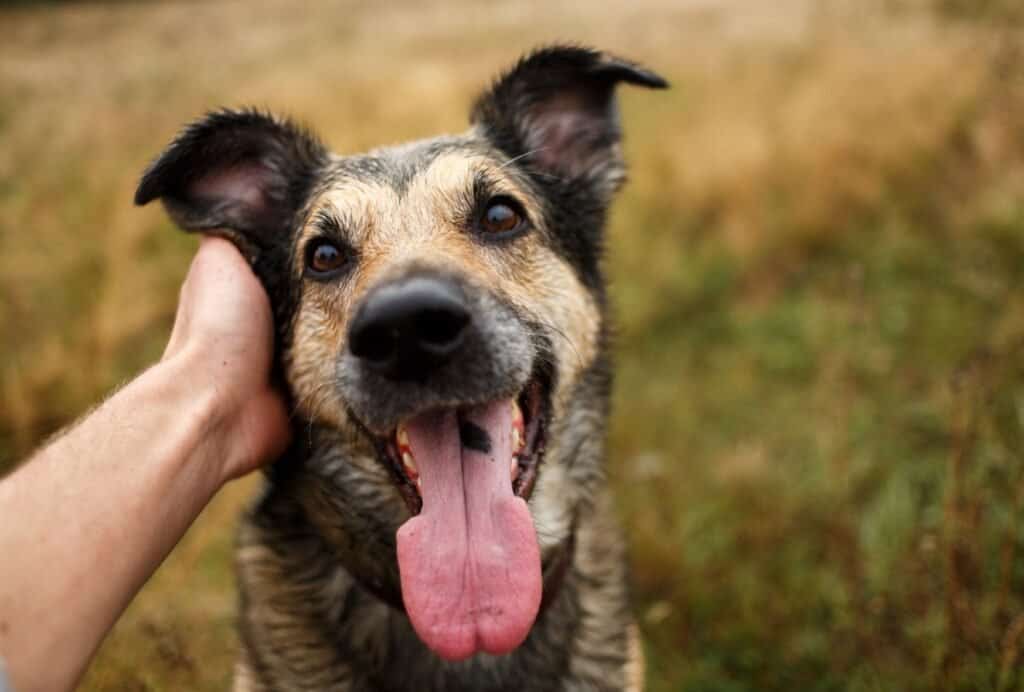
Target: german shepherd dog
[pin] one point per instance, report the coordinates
(441, 521)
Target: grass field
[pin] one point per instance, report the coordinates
(818, 273)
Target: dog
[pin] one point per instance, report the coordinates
(441, 520)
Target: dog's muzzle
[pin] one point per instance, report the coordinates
(444, 377)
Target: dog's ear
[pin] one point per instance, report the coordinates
(244, 174)
(556, 109)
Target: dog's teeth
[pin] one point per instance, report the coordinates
(518, 432)
(410, 465)
(405, 452)
(518, 439)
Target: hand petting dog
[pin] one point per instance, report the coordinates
(89, 518)
(223, 328)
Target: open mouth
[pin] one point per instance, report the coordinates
(468, 558)
(529, 412)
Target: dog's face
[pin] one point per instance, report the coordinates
(440, 304)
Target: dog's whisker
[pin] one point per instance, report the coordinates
(521, 156)
(309, 405)
(309, 431)
(546, 174)
(557, 331)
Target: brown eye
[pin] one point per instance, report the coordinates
(324, 257)
(502, 216)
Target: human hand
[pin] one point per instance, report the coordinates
(131, 476)
(223, 337)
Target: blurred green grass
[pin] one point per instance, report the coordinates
(818, 274)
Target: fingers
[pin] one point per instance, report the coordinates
(224, 329)
(221, 253)
(223, 272)
(221, 298)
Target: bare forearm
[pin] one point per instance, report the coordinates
(88, 520)
(85, 522)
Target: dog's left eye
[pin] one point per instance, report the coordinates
(503, 216)
(324, 257)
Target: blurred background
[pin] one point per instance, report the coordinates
(818, 277)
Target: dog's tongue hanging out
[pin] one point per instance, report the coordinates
(469, 561)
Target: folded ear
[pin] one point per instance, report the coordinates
(556, 109)
(244, 173)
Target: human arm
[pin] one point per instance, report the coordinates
(87, 520)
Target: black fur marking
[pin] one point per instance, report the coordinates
(396, 166)
(556, 108)
(327, 223)
(555, 113)
(243, 170)
(245, 175)
(474, 437)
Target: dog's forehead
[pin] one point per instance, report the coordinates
(398, 165)
(407, 183)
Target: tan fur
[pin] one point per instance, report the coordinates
(636, 667)
(419, 229)
(243, 679)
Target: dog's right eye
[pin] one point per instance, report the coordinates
(503, 217)
(324, 258)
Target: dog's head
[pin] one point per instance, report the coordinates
(443, 300)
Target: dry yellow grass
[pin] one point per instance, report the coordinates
(802, 106)
(795, 128)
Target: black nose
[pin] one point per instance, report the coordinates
(407, 329)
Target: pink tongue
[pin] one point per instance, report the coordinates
(469, 561)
